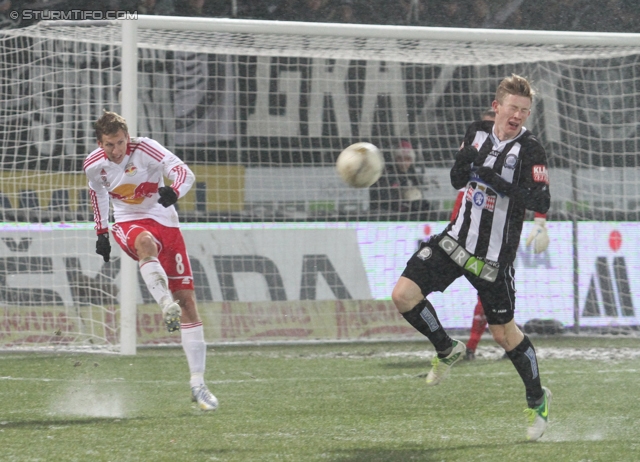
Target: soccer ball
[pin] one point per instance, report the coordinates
(360, 165)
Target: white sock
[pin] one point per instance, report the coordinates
(196, 350)
(156, 279)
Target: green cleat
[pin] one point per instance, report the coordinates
(441, 367)
(538, 417)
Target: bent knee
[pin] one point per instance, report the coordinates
(500, 338)
(506, 339)
(146, 245)
(406, 295)
(399, 300)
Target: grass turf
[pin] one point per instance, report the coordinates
(365, 402)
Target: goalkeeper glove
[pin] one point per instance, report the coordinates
(538, 235)
(168, 196)
(103, 246)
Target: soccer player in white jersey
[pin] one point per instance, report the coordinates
(128, 172)
(503, 169)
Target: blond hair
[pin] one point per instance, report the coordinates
(514, 85)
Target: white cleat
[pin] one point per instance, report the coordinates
(538, 417)
(205, 399)
(441, 367)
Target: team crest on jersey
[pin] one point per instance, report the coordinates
(478, 198)
(540, 174)
(130, 169)
(425, 253)
(103, 178)
(482, 200)
(510, 161)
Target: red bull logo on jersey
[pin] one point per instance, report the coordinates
(134, 194)
(130, 169)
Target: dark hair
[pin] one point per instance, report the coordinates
(110, 123)
(514, 85)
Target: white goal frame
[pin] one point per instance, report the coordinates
(132, 30)
(129, 89)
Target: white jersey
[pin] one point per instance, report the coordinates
(133, 184)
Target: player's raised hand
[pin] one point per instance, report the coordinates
(538, 235)
(168, 196)
(468, 154)
(491, 178)
(103, 246)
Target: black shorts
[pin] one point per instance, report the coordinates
(433, 270)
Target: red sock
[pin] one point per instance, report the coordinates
(478, 326)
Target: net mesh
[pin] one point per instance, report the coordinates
(261, 119)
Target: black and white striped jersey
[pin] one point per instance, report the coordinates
(488, 224)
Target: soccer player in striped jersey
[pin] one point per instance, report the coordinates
(503, 170)
(538, 237)
(128, 172)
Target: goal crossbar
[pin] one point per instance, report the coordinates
(389, 32)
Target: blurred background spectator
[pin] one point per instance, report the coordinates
(190, 8)
(398, 194)
(6, 21)
(159, 7)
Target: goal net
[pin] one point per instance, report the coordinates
(281, 249)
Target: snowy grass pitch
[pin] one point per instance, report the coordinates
(365, 402)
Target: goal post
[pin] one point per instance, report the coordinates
(260, 110)
(128, 267)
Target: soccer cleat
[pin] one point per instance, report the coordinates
(469, 355)
(205, 399)
(171, 316)
(538, 417)
(440, 367)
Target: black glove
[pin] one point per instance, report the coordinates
(537, 199)
(103, 246)
(490, 177)
(467, 155)
(168, 196)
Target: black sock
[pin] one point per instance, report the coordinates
(424, 319)
(525, 361)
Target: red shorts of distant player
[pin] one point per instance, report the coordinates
(172, 252)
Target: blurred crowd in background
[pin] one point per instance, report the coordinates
(565, 15)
